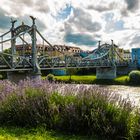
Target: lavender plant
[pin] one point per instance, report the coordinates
(73, 108)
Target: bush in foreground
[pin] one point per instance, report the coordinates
(134, 77)
(50, 78)
(76, 109)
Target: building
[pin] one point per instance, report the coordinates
(69, 49)
(123, 54)
(136, 56)
(46, 49)
(120, 54)
(127, 55)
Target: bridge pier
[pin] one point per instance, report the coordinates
(106, 73)
(15, 76)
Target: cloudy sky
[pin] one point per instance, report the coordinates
(79, 23)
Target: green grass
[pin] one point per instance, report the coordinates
(14, 133)
(77, 78)
(91, 79)
(122, 79)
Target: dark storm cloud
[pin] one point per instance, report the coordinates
(4, 20)
(132, 5)
(83, 20)
(80, 39)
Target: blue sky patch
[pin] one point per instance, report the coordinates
(119, 25)
(111, 24)
(108, 17)
(64, 13)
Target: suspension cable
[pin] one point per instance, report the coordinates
(43, 47)
(23, 40)
(95, 53)
(16, 36)
(1, 44)
(5, 33)
(23, 46)
(120, 56)
(48, 42)
(98, 57)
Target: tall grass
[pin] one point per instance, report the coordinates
(72, 108)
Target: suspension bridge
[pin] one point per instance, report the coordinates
(104, 58)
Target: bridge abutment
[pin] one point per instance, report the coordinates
(106, 73)
(22, 75)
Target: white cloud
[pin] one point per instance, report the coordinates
(100, 20)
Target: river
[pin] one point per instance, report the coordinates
(131, 93)
(127, 92)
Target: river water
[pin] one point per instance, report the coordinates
(127, 92)
(130, 93)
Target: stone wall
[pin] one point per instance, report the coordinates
(15, 76)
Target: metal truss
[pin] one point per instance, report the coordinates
(103, 56)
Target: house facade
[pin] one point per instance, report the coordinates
(136, 56)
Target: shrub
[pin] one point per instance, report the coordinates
(3, 75)
(50, 77)
(134, 77)
(89, 110)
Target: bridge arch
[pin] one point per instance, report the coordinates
(22, 42)
(21, 29)
(18, 32)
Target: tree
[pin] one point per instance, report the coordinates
(71, 71)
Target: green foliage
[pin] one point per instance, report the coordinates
(80, 71)
(40, 133)
(70, 72)
(50, 77)
(76, 109)
(8, 51)
(86, 71)
(30, 109)
(3, 75)
(122, 79)
(134, 77)
(45, 72)
(86, 113)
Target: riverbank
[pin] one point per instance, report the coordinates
(91, 79)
